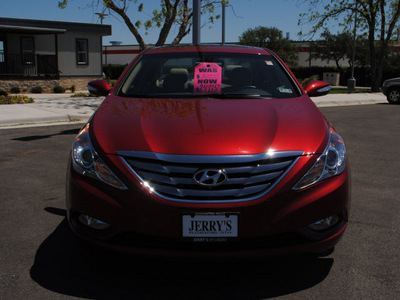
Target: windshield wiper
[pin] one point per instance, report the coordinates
(238, 95)
(202, 95)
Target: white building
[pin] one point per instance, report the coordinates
(119, 54)
(124, 54)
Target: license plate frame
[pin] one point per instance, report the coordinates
(210, 225)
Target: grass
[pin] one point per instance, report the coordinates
(345, 90)
(15, 99)
(82, 95)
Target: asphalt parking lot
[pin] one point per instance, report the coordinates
(39, 258)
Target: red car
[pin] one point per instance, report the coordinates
(208, 151)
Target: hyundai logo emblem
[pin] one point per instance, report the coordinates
(210, 177)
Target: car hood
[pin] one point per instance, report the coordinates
(208, 126)
(397, 79)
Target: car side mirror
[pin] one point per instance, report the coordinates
(316, 88)
(99, 87)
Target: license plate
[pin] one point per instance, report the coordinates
(210, 225)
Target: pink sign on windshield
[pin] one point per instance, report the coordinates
(207, 78)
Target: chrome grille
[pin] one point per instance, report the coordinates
(171, 177)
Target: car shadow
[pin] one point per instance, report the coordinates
(63, 266)
(74, 131)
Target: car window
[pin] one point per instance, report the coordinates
(201, 74)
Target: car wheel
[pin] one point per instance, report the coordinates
(393, 96)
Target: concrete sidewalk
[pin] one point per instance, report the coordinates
(349, 99)
(49, 109)
(61, 108)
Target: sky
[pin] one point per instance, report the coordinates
(244, 14)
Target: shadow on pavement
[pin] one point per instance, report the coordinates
(61, 265)
(40, 137)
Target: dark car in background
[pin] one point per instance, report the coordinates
(208, 151)
(391, 89)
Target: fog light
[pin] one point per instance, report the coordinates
(93, 222)
(324, 223)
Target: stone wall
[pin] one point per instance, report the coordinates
(26, 84)
(79, 82)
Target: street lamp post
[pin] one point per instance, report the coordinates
(102, 16)
(351, 83)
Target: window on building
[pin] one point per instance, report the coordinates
(2, 58)
(28, 50)
(82, 53)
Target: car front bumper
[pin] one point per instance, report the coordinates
(141, 224)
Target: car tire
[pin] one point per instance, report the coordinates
(393, 96)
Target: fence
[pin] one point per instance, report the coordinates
(21, 65)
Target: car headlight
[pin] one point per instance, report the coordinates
(86, 161)
(331, 162)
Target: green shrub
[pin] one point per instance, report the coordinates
(58, 89)
(3, 93)
(73, 89)
(112, 82)
(36, 90)
(113, 71)
(362, 75)
(15, 90)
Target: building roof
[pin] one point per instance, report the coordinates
(34, 30)
(46, 27)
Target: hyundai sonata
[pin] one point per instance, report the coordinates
(208, 151)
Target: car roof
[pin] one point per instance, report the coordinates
(208, 48)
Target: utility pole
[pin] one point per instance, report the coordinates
(196, 22)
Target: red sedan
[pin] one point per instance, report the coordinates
(210, 151)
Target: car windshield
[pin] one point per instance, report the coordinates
(195, 74)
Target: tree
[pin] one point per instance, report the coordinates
(376, 19)
(339, 48)
(333, 47)
(171, 13)
(362, 52)
(271, 38)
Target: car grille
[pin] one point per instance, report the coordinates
(173, 177)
